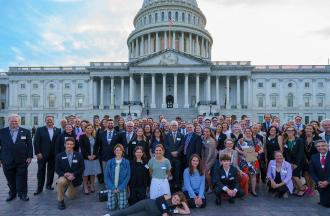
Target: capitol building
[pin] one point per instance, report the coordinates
(169, 71)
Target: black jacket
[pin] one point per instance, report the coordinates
(315, 168)
(16, 152)
(297, 155)
(220, 179)
(106, 148)
(194, 146)
(133, 144)
(77, 168)
(173, 144)
(85, 147)
(60, 142)
(43, 144)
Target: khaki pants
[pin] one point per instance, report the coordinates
(63, 183)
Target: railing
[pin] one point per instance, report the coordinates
(206, 103)
(292, 67)
(43, 69)
(133, 103)
(108, 64)
(232, 63)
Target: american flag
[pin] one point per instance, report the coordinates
(171, 21)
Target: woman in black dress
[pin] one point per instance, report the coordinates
(138, 140)
(273, 143)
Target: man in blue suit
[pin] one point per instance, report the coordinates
(16, 153)
(320, 171)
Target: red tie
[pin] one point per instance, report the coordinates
(323, 163)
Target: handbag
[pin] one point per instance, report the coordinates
(103, 195)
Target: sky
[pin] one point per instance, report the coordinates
(76, 32)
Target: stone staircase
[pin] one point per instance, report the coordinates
(171, 114)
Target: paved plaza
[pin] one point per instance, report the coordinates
(46, 204)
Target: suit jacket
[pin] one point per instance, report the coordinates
(85, 147)
(106, 148)
(194, 146)
(234, 157)
(43, 144)
(322, 135)
(297, 155)
(173, 144)
(286, 173)
(60, 142)
(315, 168)
(77, 167)
(121, 138)
(264, 126)
(16, 152)
(221, 180)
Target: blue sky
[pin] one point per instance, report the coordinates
(75, 32)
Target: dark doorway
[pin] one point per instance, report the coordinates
(169, 101)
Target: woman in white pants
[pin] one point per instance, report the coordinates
(160, 170)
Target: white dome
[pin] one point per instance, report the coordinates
(147, 2)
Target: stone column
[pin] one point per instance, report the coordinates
(90, 93)
(122, 86)
(112, 93)
(142, 89)
(7, 97)
(249, 95)
(197, 89)
(175, 90)
(164, 91)
(217, 90)
(131, 90)
(136, 47)
(157, 42)
(61, 98)
(165, 40)
(208, 88)
(186, 92)
(238, 93)
(203, 48)
(102, 94)
(227, 93)
(28, 91)
(198, 51)
(190, 44)
(142, 46)
(182, 42)
(153, 91)
(173, 40)
(149, 43)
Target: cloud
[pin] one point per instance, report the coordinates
(324, 32)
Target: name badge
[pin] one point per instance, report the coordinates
(23, 137)
(163, 168)
(231, 178)
(223, 177)
(178, 139)
(285, 146)
(74, 161)
(284, 171)
(134, 143)
(64, 158)
(146, 166)
(322, 166)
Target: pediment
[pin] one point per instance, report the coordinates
(170, 58)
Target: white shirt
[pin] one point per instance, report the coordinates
(50, 132)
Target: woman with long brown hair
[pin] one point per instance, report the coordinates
(295, 155)
(194, 183)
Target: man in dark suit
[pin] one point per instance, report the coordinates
(69, 166)
(192, 144)
(126, 137)
(107, 141)
(173, 148)
(16, 153)
(319, 170)
(225, 180)
(44, 149)
(267, 122)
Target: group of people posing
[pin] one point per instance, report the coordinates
(151, 167)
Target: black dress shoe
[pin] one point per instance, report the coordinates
(37, 192)
(231, 201)
(61, 205)
(49, 188)
(24, 198)
(254, 194)
(10, 198)
(218, 201)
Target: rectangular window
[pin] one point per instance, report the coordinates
(273, 101)
(67, 102)
(3, 105)
(307, 119)
(80, 85)
(306, 84)
(35, 120)
(320, 118)
(260, 85)
(22, 120)
(273, 85)
(22, 86)
(35, 86)
(307, 101)
(156, 17)
(80, 102)
(320, 101)
(320, 85)
(35, 102)
(260, 101)
(260, 119)
(67, 85)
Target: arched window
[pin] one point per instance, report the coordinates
(261, 100)
(183, 17)
(290, 100)
(22, 99)
(189, 18)
(35, 101)
(51, 101)
(307, 100)
(273, 100)
(320, 100)
(80, 100)
(67, 101)
(169, 15)
(156, 17)
(150, 18)
(163, 16)
(176, 16)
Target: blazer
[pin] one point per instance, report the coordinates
(286, 173)
(194, 146)
(315, 169)
(124, 174)
(264, 126)
(297, 155)
(221, 141)
(77, 167)
(85, 147)
(121, 138)
(43, 144)
(106, 149)
(60, 142)
(221, 180)
(16, 152)
(172, 144)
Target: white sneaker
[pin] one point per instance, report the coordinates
(107, 214)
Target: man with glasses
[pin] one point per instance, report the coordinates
(16, 153)
(320, 172)
(326, 127)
